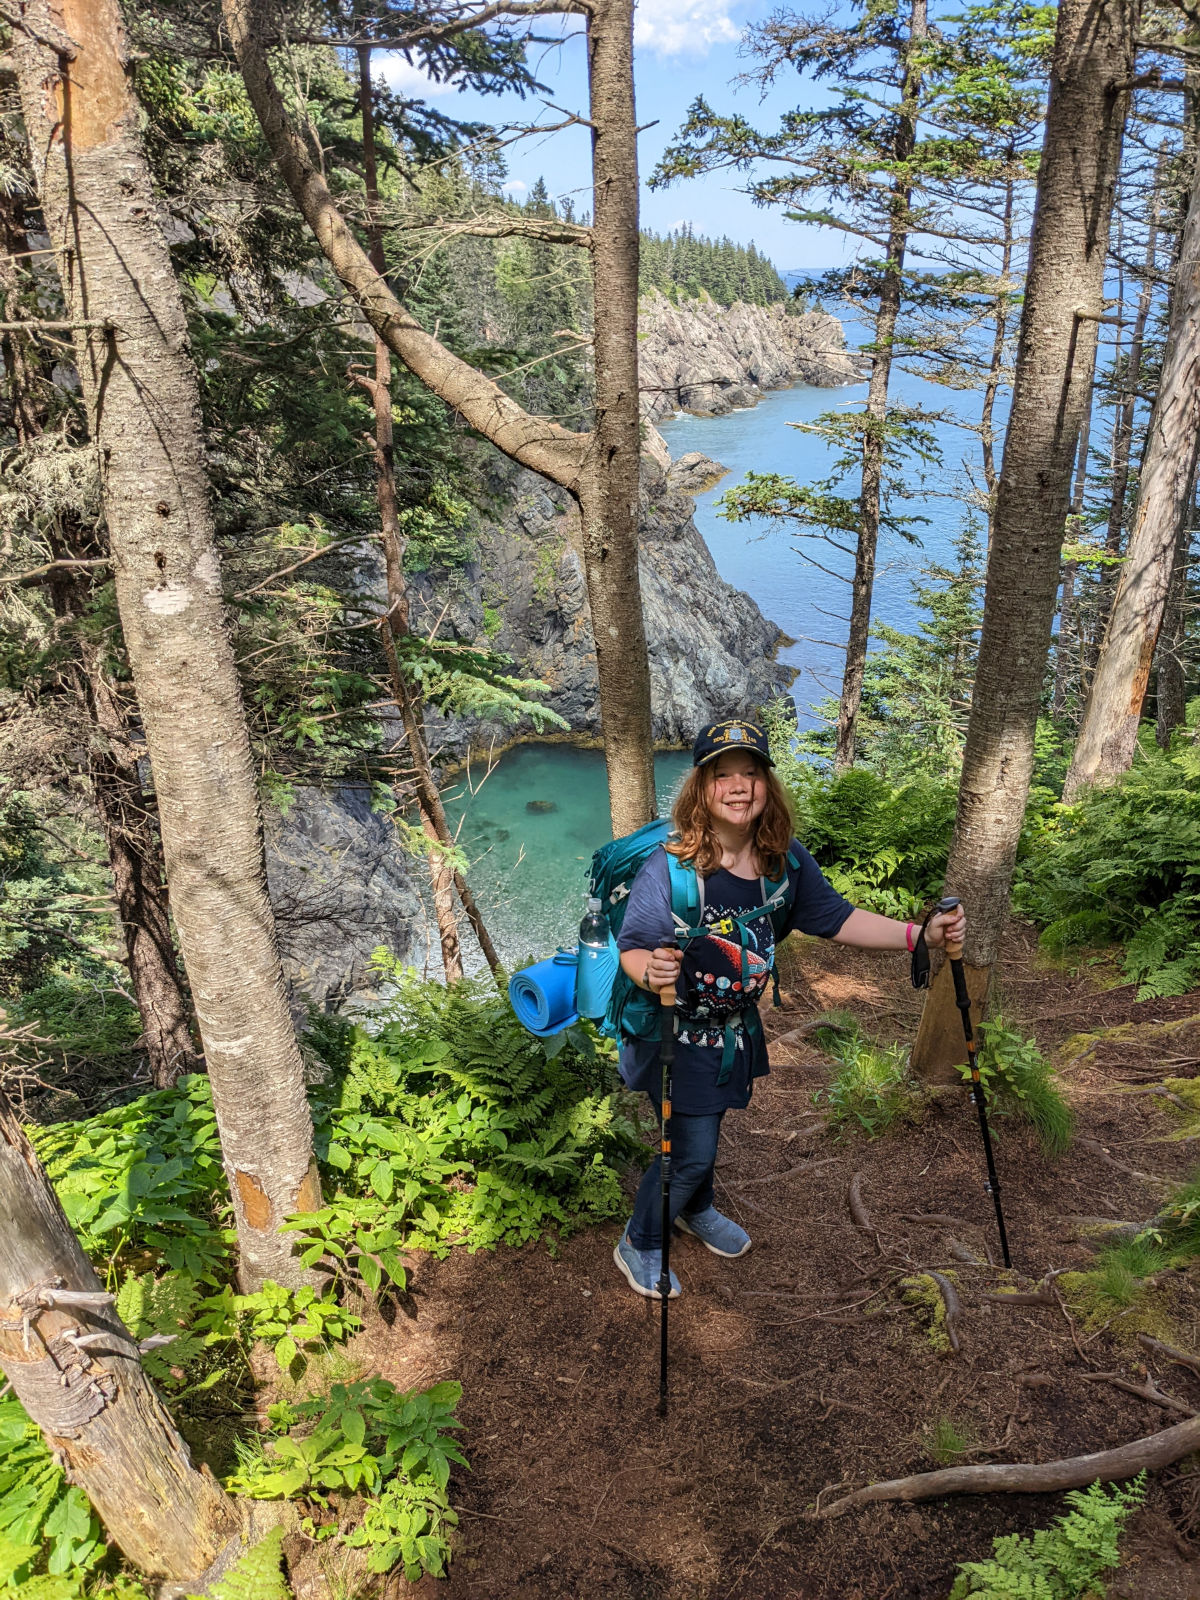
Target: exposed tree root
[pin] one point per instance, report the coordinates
(1043, 1295)
(952, 1303)
(858, 1211)
(1148, 1454)
(935, 1219)
(1144, 1391)
(778, 1177)
(1094, 1147)
(1168, 1352)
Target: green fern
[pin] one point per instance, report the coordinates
(1062, 1562)
(257, 1576)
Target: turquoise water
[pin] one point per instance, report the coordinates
(530, 867)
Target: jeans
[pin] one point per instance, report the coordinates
(693, 1155)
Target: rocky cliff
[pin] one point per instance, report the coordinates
(702, 357)
(712, 652)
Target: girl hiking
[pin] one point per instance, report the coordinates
(733, 825)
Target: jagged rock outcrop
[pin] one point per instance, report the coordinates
(712, 652)
(341, 885)
(707, 358)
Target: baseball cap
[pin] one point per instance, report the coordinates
(734, 734)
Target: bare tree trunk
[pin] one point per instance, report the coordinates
(609, 484)
(1123, 425)
(595, 468)
(75, 1368)
(140, 389)
(1085, 120)
(991, 388)
(875, 415)
(1066, 639)
(1108, 734)
(1171, 696)
(396, 622)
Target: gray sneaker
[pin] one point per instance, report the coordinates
(718, 1233)
(642, 1270)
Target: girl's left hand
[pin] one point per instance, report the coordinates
(946, 927)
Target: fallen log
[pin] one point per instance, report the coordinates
(1147, 1454)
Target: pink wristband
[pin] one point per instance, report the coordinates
(908, 936)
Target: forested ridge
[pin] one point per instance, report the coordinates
(302, 414)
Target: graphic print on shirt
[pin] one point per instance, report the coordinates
(720, 978)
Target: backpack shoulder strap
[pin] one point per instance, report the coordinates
(777, 892)
(687, 892)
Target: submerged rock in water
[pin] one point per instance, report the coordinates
(541, 805)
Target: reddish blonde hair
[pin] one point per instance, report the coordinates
(698, 841)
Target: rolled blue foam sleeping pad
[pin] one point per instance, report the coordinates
(594, 979)
(543, 996)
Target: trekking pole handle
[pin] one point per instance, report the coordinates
(951, 902)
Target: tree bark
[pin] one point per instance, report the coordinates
(609, 483)
(594, 468)
(1066, 638)
(1085, 120)
(1108, 734)
(143, 405)
(75, 1368)
(875, 415)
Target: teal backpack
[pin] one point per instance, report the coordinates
(632, 1012)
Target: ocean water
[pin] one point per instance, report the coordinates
(530, 829)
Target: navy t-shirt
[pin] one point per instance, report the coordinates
(715, 982)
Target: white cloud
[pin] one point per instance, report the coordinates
(515, 187)
(405, 78)
(684, 27)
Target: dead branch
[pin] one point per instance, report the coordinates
(1144, 1391)
(1181, 1358)
(27, 580)
(547, 229)
(1147, 1454)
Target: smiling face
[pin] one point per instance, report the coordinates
(737, 793)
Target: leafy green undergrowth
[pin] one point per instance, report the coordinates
(1122, 866)
(1018, 1081)
(367, 1439)
(1065, 1561)
(871, 1090)
(447, 1126)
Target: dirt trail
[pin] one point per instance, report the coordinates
(799, 1367)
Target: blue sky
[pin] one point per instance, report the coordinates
(683, 48)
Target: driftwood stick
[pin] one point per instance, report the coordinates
(1147, 1454)
(1144, 1391)
(1168, 1352)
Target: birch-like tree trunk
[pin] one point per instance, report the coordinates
(1108, 734)
(76, 1369)
(599, 469)
(1171, 691)
(875, 416)
(140, 389)
(1085, 121)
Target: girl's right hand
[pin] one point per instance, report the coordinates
(662, 970)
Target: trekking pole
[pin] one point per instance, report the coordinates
(666, 1000)
(963, 1000)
